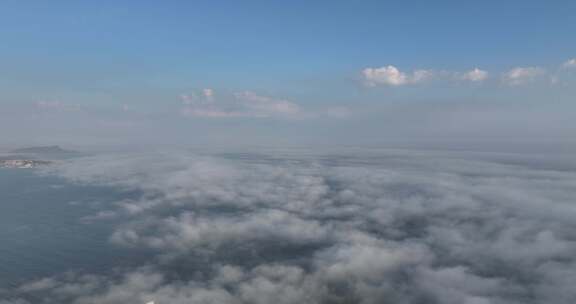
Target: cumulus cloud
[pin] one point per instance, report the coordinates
(522, 75)
(392, 76)
(208, 104)
(386, 228)
(475, 75)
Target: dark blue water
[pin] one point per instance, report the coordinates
(42, 232)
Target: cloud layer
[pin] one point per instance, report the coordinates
(387, 228)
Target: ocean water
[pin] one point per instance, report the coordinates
(43, 231)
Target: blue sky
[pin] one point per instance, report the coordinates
(108, 59)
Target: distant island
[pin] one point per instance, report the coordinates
(33, 157)
(47, 152)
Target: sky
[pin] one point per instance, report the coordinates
(359, 224)
(231, 73)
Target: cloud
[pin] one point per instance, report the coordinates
(391, 76)
(475, 75)
(189, 230)
(264, 105)
(396, 227)
(522, 75)
(208, 104)
(569, 64)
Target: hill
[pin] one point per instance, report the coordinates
(47, 152)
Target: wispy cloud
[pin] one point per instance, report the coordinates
(208, 104)
(522, 75)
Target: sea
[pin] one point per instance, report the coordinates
(44, 228)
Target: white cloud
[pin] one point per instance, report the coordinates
(208, 104)
(419, 76)
(475, 75)
(522, 75)
(189, 231)
(570, 63)
(267, 106)
(391, 76)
